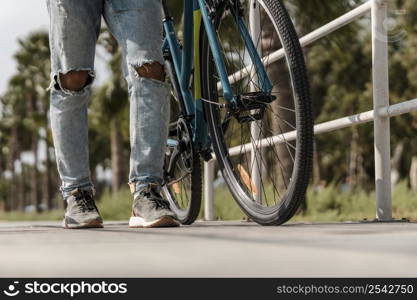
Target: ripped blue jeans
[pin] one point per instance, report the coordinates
(74, 29)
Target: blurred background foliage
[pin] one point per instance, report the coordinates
(340, 74)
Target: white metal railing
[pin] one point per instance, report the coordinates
(381, 113)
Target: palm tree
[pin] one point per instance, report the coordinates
(307, 15)
(13, 110)
(33, 68)
(24, 114)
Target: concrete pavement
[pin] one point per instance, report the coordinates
(210, 249)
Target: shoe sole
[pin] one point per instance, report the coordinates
(91, 224)
(166, 221)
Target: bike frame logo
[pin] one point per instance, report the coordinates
(12, 291)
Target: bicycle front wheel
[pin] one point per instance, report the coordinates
(265, 146)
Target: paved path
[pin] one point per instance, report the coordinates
(210, 249)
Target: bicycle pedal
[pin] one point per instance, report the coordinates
(250, 117)
(255, 100)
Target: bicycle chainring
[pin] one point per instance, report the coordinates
(185, 143)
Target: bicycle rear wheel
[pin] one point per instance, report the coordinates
(182, 168)
(264, 147)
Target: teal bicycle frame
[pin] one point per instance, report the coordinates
(187, 57)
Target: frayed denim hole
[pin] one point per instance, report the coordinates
(135, 69)
(56, 82)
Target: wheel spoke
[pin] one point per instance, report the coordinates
(258, 169)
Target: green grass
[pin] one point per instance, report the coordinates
(328, 204)
(32, 216)
(117, 206)
(331, 204)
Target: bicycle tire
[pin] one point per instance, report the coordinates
(188, 213)
(289, 202)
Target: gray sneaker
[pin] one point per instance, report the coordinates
(149, 209)
(81, 211)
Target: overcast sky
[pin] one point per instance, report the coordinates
(17, 19)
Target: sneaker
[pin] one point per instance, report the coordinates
(149, 209)
(81, 211)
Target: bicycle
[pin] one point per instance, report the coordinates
(223, 98)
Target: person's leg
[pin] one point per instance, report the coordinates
(137, 25)
(75, 25)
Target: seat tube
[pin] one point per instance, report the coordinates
(187, 52)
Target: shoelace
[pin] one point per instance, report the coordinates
(85, 202)
(156, 198)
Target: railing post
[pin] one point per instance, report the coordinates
(381, 123)
(256, 159)
(209, 212)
